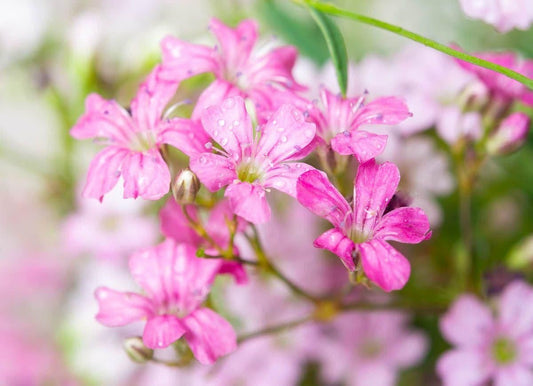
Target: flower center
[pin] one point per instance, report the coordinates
(370, 349)
(143, 141)
(503, 351)
(249, 172)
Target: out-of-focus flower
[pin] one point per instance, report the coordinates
(366, 348)
(251, 164)
(502, 14)
(110, 230)
(238, 71)
(489, 346)
(176, 283)
(454, 125)
(510, 135)
(362, 231)
(502, 88)
(133, 142)
(428, 81)
(424, 170)
(342, 118)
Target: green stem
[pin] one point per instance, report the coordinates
(336, 11)
(273, 329)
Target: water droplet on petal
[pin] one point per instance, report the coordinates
(236, 123)
(203, 160)
(223, 141)
(283, 138)
(208, 145)
(281, 128)
(221, 122)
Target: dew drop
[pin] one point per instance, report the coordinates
(281, 128)
(221, 122)
(208, 145)
(236, 123)
(223, 141)
(283, 138)
(215, 133)
(203, 160)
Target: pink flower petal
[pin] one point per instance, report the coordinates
(151, 99)
(235, 44)
(172, 273)
(185, 135)
(161, 331)
(249, 201)
(120, 308)
(514, 317)
(146, 175)
(467, 323)
(382, 111)
(335, 241)
(462, 368)
(374, 187)
(175, 225)
(316, 193)
(406, 225)
(362, 144)
(510, 134)
(514, 375)
(103, 119)
(213, 170)
(236, 270)
(384, 265)
(217, 223)
(230, 125)
(209, 335)
(408, 349)
(285, 176)
(278, 65)
(285, 134)
(213, 95)
(104, 172)
(181, 60)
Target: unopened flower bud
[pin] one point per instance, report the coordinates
(510, 135)
(185, 187)
(474, 96)
(136, 350)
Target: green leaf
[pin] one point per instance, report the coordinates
(336, 46)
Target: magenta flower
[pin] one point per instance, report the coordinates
(237, 70)
(489, 346)
(500, 86)
(176, 283)
(251, 162)
(362, 231)
(504, 15)
(133, 141)
(339, 124)
(174, 224)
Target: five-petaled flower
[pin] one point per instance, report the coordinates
(176, 283)
(133, 141)
(252, 161)
(237, 70)
(339, 124)
(364, 229)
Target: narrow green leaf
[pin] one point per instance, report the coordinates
(336, 46)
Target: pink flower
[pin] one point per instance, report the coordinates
(504, 15)
(489, 346)
(133, 141)
(252, 161)
(367, 348)
(500, 86)
(176, 283)
(237, 70)
(362, 231)
(339, 124)
(510, 135)
(174, 224)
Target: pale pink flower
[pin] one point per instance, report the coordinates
(253, 161)
(176, 283)
(175, 225)
(109, 230)
(501, 87)
(361, 232)
(366, 348)
(502, 14)
(489, 345)
(133, 141)
(237, 69)
(339, 124)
